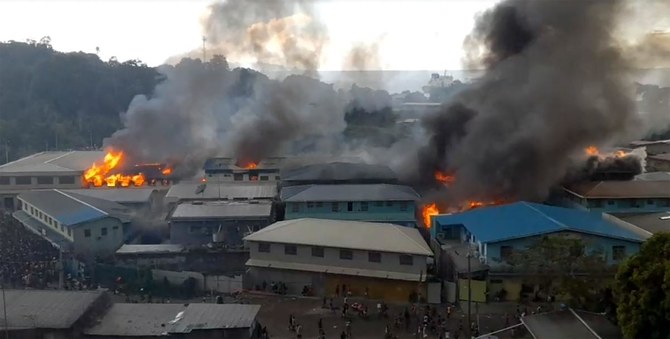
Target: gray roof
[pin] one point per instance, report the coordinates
(345, 234)
(152, 249)
(370, 192)
(222, 191)
(568, 324)
(71, 208)
(222, 210)
(46, 308)
(653, 222)
(128, 195)
(653, 176)
(660, 157)
(73, 161)
(339, 171)
(56, 239)
(621, 189)
(161, 319)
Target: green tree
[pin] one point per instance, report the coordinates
(563, 266)
(642, 290)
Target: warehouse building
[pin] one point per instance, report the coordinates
(198, 223)
(338, 173)
(62, 170)
(371, 202)
(328, 255)
(144, 200)
(73, 222)
(231, 191)
(228, 169)
(619, 197)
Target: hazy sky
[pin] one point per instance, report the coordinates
(414, 35)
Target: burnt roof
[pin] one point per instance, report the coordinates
(621, 189)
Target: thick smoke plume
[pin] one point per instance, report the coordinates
(555, 82)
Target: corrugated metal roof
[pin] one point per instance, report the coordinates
(222, 210)
(334, 270)
(152, 249)
(71, 208)
(46, 308)
(371, 192)
(570, 324)
(221, 191)
(661, 157)
(73, 161)
(345, 234)
(621, 189)
(161, 319)
(653, 222)
(525, 219)
(339, 171)
(125, 195)
(653, 176)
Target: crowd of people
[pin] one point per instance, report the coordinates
(26, 260)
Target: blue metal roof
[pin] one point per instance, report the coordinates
(524, 219)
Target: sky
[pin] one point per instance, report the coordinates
(412, 35)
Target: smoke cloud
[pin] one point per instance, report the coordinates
(555, 82)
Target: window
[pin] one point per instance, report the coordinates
(379, 203)
(66, 180)
(103, 231)
(295, 207)
(277, 177)
(23, 180)
(597, 203)
(406, 260)
(618, 252)
(238, 177)
(403, 206)
(4, 180)
(69, 232)
(335, 207)
(115, 228)
(346, 255)
(317, 252)
(319, 204)
(389, 204)
(650, 202)
(263, 247)
(350, 206)
(62, 228)
(505, 252)
(32, 210)
(364, 206)
(290, 250)
(310, 205)
(374, 257)
(264, 178)
(87, 233)
(610, 202)
(45, 180)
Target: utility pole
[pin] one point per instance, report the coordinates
(61, 269)
(4, 308)
(469, 294)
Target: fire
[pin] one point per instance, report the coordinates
(592, 151)
(444, 178)
(167, 171)
(100, 174)
(203, 180)
(251, 165)
(427, 212)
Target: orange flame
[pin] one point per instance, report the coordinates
(167, 171)
(99, 174)
(428, 212)
(592, 151)
(203, 180)
(444, 178)
(251, 165)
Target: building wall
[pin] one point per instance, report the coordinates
(47, 220)
(657, 165)
(390, 262)
(593, 244)
(199, 232)
(401, 212)
(620, 206)
(95, 242)
(658, 148)
(241, 176)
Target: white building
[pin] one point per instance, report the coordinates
(73, 222)
(385, 260)
(62, 170)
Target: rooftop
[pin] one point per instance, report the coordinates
(356, 192)
(47, 308)
(126, 320)
(653, 176)
(72, 161)
(150, 249)
(224, 163)
(345, 234)
(127, 195)
(661, 157)
(221, 209)
(526, 219)
(221, 191)
(570, 324)
(652, 222)
(340, 171)
(72, 208)
(640, 143)
(640, 189)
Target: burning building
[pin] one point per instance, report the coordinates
(114, 170)
(230, 169)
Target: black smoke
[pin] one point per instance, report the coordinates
(554, 83)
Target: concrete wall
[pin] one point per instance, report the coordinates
(657, 165)
(390, 262)
(97, 243)
(199, 232)
(30, 181)
(386, 211)
(593, 244)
